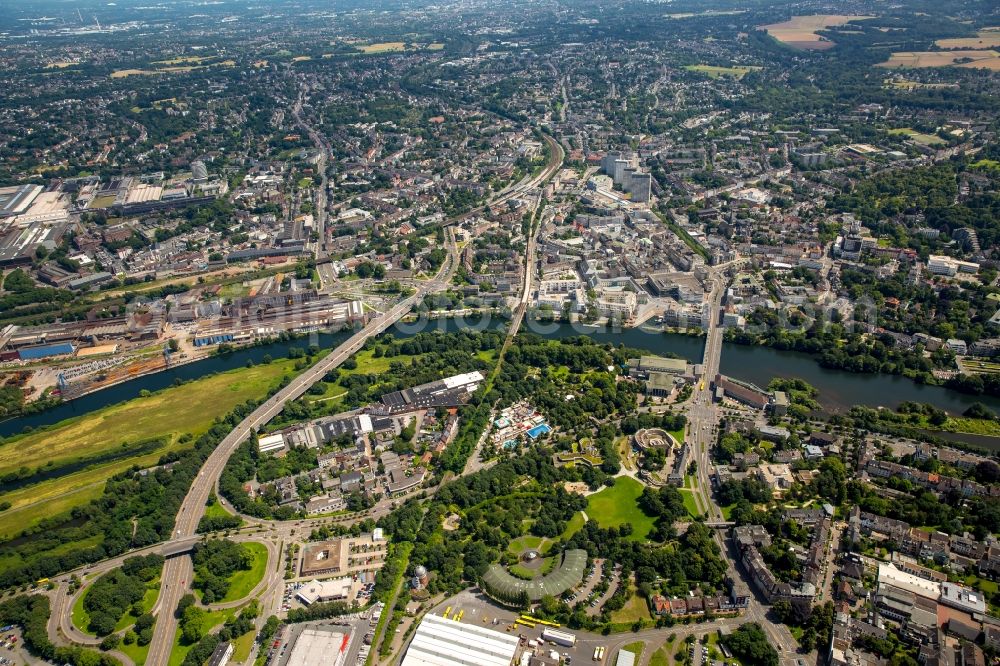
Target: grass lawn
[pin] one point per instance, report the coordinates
(243, 582)
(574, 525)
(919, 137)
(528, 542)
(81, 618)
(690, 503)
(617, 505)
(727, 511)
(148, 599)
(98, 436)
(636, 649)
(972, 426)
(678, 434)
(137, 653)
(216, 510)
(660, 658)
(368, 364)
(242, 647)
(212, 619)
(634, 609)
(983, 585)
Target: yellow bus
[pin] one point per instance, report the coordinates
(529, 625)
(447, 612)
(531, 618)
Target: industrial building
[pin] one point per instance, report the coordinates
(447, 392)
(441, 642)
(16, 199)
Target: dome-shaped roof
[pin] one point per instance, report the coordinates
(420, 571)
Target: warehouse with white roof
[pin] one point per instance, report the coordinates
(441, 642)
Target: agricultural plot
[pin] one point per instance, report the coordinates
(986, 59)
(799, 32)
(984, 40)
(714, 72)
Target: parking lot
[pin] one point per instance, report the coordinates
(476, 608)
(11, 647)
(360, 625)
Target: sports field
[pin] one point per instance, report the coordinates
(920, 137)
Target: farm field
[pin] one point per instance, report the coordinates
(987, 59)
(715, 72)
(617, 505)
(397, 47)
(905, 84)
(82, 445)
(168, 68)
(799, 32)
(984, 40)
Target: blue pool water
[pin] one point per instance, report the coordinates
(539, 429)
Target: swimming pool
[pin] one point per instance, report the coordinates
(539, 429)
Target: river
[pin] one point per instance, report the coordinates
(838, 390)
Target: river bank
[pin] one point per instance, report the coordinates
(838, 390)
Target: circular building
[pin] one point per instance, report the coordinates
(655, 438)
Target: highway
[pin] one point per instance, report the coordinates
(177, 571)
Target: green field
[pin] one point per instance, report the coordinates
(919, 137)
(660, 658)
(714, 72)
(528, 542)
(986, 165)
(212, 619)
(574, 525)
(242, 647)
(216, 510)
(94, 447)
(690, 503)
(81, 619)
(617, 505)
(243, 582)
(634, 609)
(137, 653)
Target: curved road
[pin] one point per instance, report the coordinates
(177, 571)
